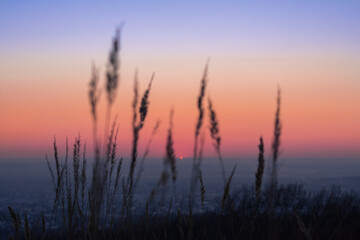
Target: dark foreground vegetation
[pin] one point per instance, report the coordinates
(297, 214)
(100, 206)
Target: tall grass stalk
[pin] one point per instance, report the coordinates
(273, 188)
(260, 170)
(112, 79)
(195, 168)
(170, 151)
(276, 142)
(95, 189)
(215, 135)
(137, 125)
(94, 97)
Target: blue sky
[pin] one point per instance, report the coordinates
(202, 25)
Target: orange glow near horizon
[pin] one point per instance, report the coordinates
(319, 112)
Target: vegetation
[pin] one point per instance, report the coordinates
(100, 206)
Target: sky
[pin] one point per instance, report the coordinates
(311, 49)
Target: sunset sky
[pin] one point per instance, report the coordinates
(311, 49)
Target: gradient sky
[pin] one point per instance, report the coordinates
(311, 49)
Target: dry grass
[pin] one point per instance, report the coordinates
(215, 135)
(276, 143)
(100, 210)
(260, 170)
(112, 79)
(137, 125)
(170, 151)
(196, 159)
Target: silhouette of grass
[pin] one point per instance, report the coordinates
(137, 126)
(215, 135)
(196, 160)
(100, 210)
(276, 142)
(260, 170)
(170, 152)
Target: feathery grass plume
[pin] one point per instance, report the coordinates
(200, 101)
(110, 144)
(194, 171)
(202, 190)
(113, 153)
(215, 135)
(276, 143)
(227, 188)
(260, 170)
(137, 126)
(94, 92)
(27, 227)
(112, 78)
(170, 152)
(134, 152)
(112, 68)
(201, 151)
(274, 175)
(94, 97)
(145, 103)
